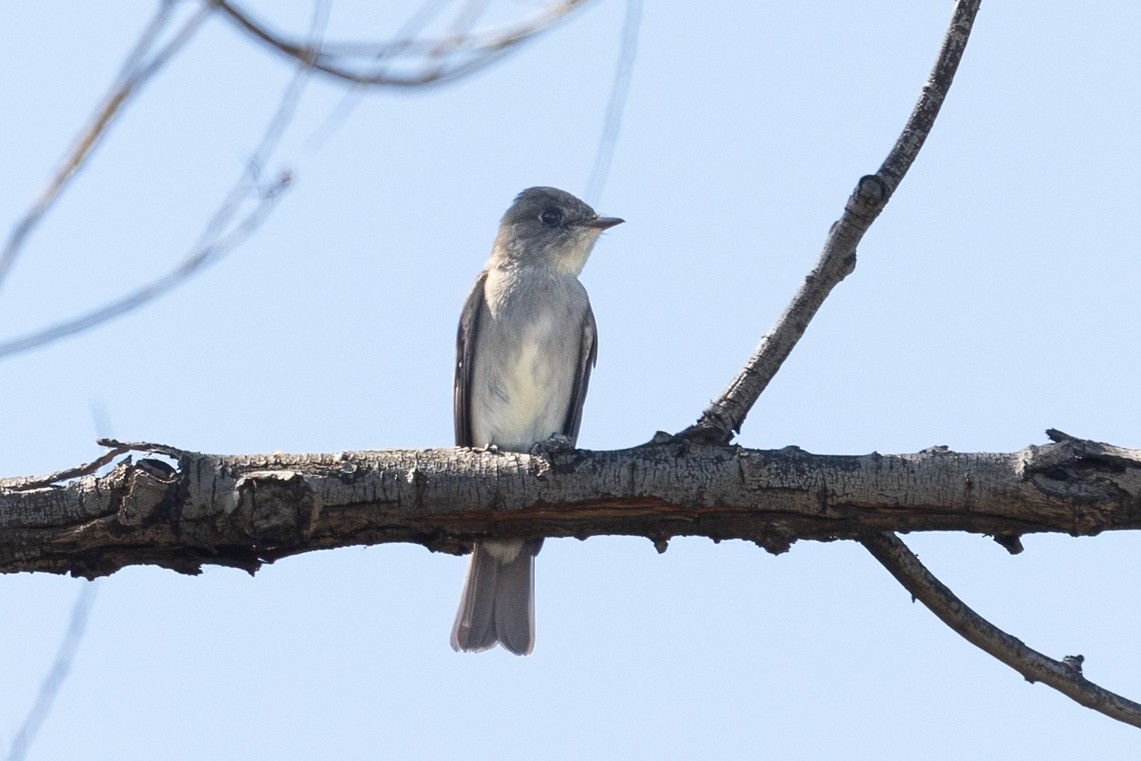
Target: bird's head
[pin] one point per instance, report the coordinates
(549, 226)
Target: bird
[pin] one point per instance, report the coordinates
(525, 349)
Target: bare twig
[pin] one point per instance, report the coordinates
(459, 52)
(614, 109)
(150, 447)
(1034, 666)
(136, 71)
(464, 22)
(52, 683)
(27, 483)
(202, 254)
(426, 61)
(224, 231)
(725, 416)
(403, 39)
(938, 84)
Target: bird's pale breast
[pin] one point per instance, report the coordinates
(525, 395)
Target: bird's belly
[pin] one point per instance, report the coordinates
(525, 398)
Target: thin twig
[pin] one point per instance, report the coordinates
(198, 257)
(61, 666)
(28, 483)
(135, 72)
(221, 234)
(461, 27)
(725, 416)
(617, 105)
(442, 59)
(142, 446)
(1034, 666)
(403, 39)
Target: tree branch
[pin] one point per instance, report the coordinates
(241, 213)
(460, 52)
(136, 71)
(43, 482)
(53, 682)
(726, 415)
(619, 89)
(1066, 460)
(433, 61)
(244, 511)
(1034, 666)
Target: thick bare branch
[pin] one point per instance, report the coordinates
(725, 416)
(247, 510)
(1036, 667)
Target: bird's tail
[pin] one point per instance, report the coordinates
(498, 602)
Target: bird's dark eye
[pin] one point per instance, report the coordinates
(551, 217)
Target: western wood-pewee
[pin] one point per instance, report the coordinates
(524, 352)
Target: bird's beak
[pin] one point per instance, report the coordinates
(604, 223)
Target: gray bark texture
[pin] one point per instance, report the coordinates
(244, 511)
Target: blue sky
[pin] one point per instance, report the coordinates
(994, 298)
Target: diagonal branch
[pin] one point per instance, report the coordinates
(725, 416)
(53, 682)
(136, 71)
(241, 213)
(888, 548)
(28, 483)
(458, 52)
(1034, 666)
(207, 250)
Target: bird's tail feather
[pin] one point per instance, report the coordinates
(498, 601)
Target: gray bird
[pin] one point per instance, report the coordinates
(524, 352)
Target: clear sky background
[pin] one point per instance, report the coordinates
(995, 297)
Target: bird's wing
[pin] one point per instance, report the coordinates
(465, 353)
(587, 355)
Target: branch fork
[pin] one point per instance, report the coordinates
(247, 511)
